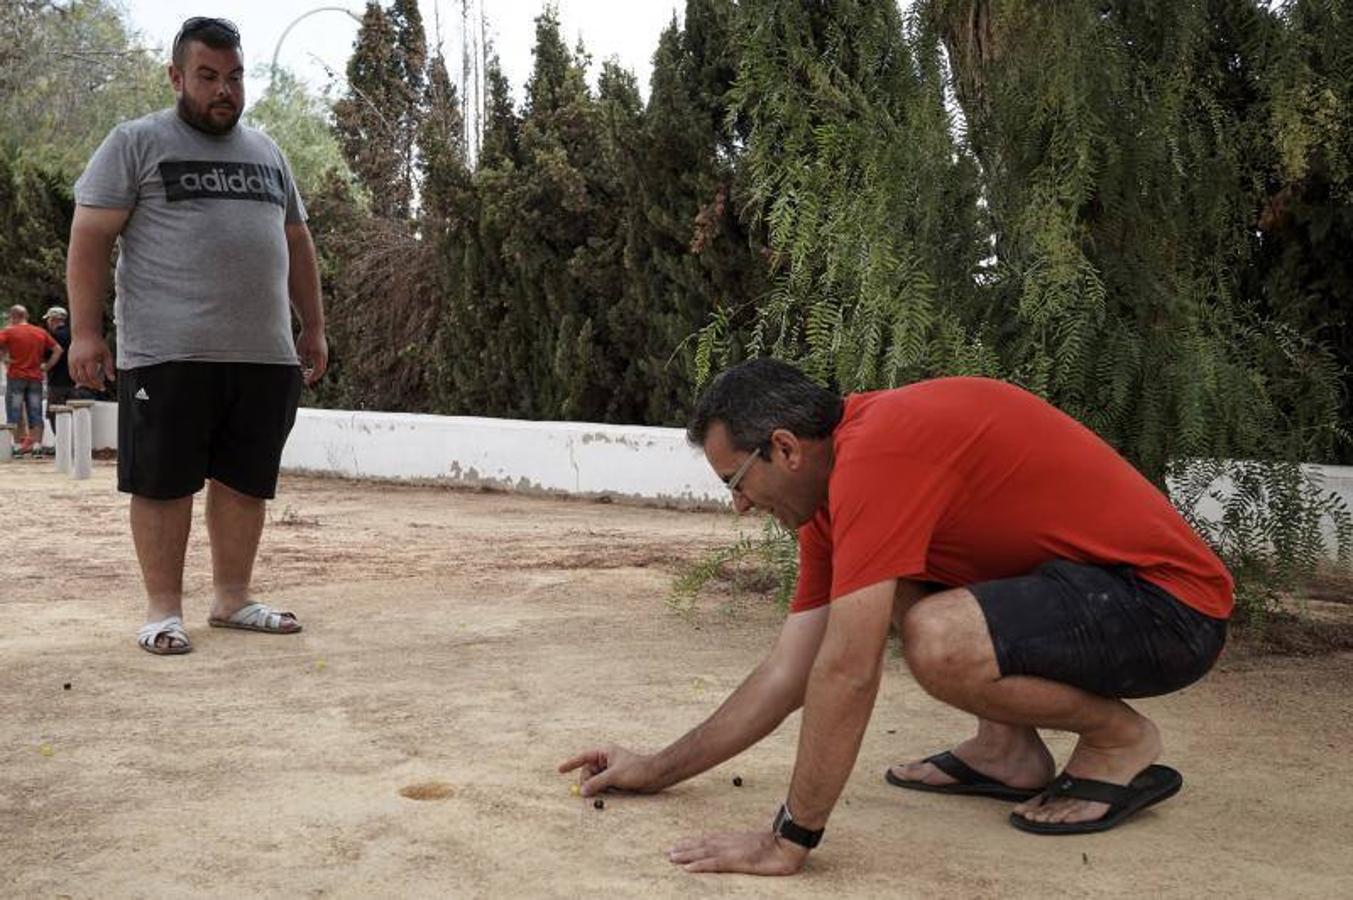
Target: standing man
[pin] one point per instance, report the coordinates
(214, 254)
(1034, 576)
(59, 383)
(27, 346)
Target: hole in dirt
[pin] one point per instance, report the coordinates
(427, 790)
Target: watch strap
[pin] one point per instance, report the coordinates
(792, 831)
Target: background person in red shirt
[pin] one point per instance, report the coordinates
(1035, 577)
(27, 346)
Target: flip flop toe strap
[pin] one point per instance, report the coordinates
(957, 769)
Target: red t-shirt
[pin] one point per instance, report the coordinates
(964, 480)
(27, 345)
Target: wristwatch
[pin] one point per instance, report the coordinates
(792, 831)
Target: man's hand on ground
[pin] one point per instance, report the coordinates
(313, 349)
(91, 361)
(748, 852)
(612, 767)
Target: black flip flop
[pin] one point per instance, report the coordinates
(1150, 786)
(967, 781)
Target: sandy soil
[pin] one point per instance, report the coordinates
(458, 645)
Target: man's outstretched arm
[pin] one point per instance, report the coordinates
(837, 705)
(773, 690)
(840, 700)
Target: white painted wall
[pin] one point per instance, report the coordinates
(1336, 479)
(1340, 480)
(635, 463)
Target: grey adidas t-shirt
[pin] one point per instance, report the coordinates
(202, 272)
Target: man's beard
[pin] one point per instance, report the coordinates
(200, 117)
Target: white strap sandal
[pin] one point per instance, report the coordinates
(172, 628)
(259, 617)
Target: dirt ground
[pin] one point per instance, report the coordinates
(458, 645)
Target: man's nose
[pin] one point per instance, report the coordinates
(741, 503)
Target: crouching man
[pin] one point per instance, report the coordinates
(1036, 579)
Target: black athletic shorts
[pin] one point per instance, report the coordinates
(1101, 628)
(180, 423)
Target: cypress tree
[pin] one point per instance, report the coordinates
(408, 71)
(552, 215)
(687, 252)
(387, 291)
(377, 121)
(490, 345)
(447, 224)
(442, 164)
(367, 119)
(604, 266)
(502, 125)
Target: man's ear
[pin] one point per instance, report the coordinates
(784, 442)
(175, 77)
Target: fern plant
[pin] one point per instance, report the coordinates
(1065, 196)
(771, 557)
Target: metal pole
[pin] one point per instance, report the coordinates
(277, 48)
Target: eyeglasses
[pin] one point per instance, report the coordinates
(202, 23)
(736, 478)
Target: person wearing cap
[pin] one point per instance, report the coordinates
(212, 264)
(60, 386)
(27, 346)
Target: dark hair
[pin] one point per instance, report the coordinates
(754, 398)
(220, 34)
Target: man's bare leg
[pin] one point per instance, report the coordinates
(160, 534)
(949, 650)
(234, 524)
(1012, 754)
